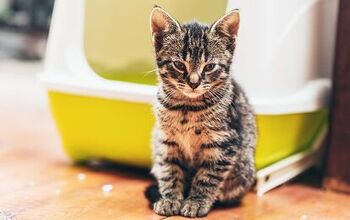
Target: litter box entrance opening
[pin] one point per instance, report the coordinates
(117, 38)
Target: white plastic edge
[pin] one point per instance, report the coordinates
(312, 97)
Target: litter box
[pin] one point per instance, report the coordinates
(98, 73)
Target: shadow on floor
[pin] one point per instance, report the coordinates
(114, 168)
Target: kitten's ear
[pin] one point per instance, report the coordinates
(161, 23)
(227, 25)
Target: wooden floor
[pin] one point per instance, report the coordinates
(38, 182)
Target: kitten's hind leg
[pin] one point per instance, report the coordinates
(239, 181)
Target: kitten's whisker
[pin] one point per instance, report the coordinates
(149, 72)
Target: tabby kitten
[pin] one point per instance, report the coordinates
(205, 133)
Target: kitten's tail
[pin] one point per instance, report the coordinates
(152, 193)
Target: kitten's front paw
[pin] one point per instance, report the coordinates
(167, 207)
(192, 208)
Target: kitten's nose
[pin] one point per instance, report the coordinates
(194, 81)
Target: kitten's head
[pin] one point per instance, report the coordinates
(192, 58)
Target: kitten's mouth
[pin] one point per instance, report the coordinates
(192, 94)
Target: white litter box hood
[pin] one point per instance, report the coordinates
(283, 45)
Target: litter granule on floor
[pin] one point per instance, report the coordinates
(107, 188)
(81, 177)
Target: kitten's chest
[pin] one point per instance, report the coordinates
(187, 129)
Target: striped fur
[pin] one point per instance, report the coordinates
(205, 134)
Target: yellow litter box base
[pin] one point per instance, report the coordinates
(97, 128)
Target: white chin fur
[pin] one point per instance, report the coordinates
(191, 94)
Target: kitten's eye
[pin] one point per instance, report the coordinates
(209, 67)
(180, 66)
